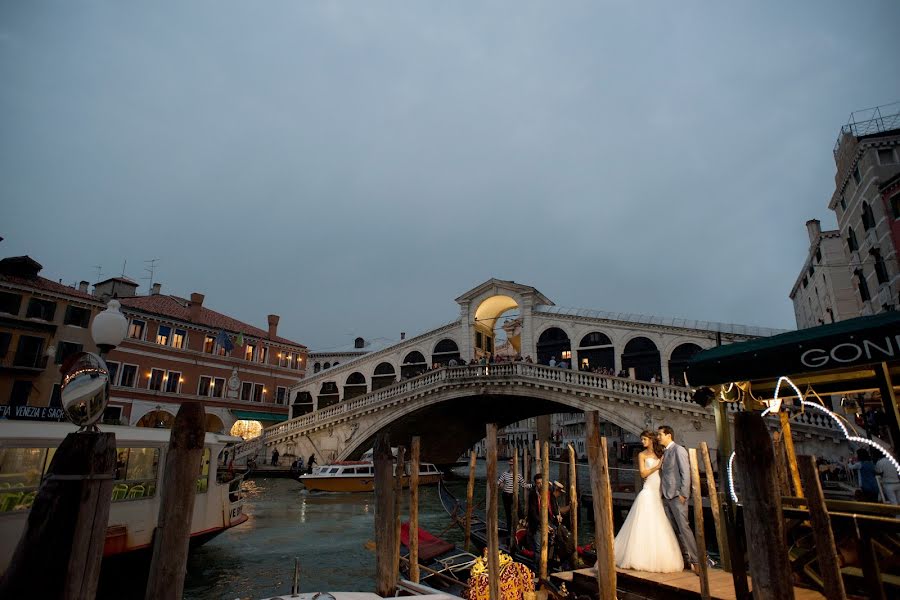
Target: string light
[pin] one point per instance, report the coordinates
(806, 403)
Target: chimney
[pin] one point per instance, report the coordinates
(155, 289)
(83, 286)
(402, 335)
(195, 306)
(814, 228)
(273, 326)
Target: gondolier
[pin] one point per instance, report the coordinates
(506, 485)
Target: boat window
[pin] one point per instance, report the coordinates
(334, 469)
(20, 476)
(135, 474)
(203, 480)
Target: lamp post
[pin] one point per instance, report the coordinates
(109, 328)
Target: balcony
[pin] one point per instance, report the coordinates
(870, 121)
(23, 361)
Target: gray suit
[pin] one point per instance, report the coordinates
(675, 476)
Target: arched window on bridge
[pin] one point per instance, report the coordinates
(555, 344)
(355, 386)
(679, 360)
(414, 364)
(444, 351)
(642, 355)
(384, 376)
(303, 403)
(317, 367)
(328, 394)
(596, 352)
(160, 419)
(326, 366)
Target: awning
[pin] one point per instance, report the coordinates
(847, 350)
(252, 415)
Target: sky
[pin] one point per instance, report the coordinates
(355, 166)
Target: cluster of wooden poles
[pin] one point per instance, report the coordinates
(388, 488)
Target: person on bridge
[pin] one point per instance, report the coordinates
(507, 486)
(552, 362)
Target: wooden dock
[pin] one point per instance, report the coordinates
(676, 586)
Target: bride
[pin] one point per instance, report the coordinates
(646, 541)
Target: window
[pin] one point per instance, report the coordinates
(880, 268)
(863, 288)
(21, 471)
(173, 382)
(843, 203)
(203, 479)
(156, 379)
(10, 303)
(805, 281)
(317, 367)
(895, 205)
(218, 389)
(129, 376)
(209, 344)
(818, 255)
(886, 156)
(113, 368)
(66, 349)
(205, 386)
(868, 219)
(259, 392)
(136, 329)
(812, 270)
(263, 354)
(21, 389)
(5, 339)
(280, 394)
(163, 335)
(249, 349)
(856, 177)
(296, 363)
(178, 338)
(41, 309)
(77, 316)
(851, 240)
(136, 473)
(112, 415)
(246, 390)
(29, 352)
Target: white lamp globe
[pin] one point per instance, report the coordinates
(109, 327)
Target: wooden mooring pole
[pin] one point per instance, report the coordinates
(545, 507)
(399, 474)
(788, 440)
(770, 567)
(492, 517)
(526, 461)
(603, 509)
(699, 532)
(414, 462)
(176, 503)
(826, 551)
(713, 496)
(514, 521)
(59, 553)
(385, 567)
(470, 493)
(573, 496)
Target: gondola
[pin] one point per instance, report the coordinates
(478, 532)
(443, 566)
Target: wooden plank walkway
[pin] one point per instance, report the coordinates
(683, 584)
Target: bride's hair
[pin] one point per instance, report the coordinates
(654, 437)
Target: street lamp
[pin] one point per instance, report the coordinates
(109, 327)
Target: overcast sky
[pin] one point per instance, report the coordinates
(355, 166)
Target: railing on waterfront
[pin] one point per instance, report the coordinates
(576, 380)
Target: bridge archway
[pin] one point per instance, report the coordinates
(445, 351)
(554, 343)
(487, 339)
(413, 364)
(384, 375)
(678, 361)
(355, 385)
(328, 394)
(642, 354)
(596, 351)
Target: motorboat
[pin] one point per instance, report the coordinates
(26, 451)
(359, 476)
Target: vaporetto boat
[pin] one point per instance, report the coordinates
(359, 476)
(27, 447)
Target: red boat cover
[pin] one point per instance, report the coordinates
(429, 545)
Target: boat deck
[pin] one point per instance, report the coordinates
(681, 585)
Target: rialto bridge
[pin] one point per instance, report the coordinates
(419, 386)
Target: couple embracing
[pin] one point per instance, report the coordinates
(656, 535)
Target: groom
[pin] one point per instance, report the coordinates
(675, 487)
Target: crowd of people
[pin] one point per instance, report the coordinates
(874, 476)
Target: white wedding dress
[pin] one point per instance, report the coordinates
(647, 541)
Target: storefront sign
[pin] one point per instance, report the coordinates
(32, 413)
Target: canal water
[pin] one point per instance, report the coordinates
(331, 534)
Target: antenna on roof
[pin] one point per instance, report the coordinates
(150, 268)
(124, 262)
(99, 272)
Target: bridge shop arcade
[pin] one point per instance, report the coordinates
(839, 547)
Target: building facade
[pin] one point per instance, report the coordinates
(42, 322)
(867, 157)
(823, 292)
